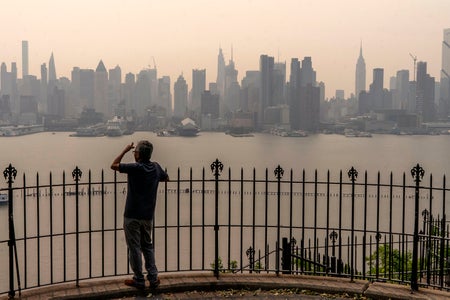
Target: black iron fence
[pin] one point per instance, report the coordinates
(344, 224)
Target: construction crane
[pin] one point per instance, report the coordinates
(154, 64)
(414, 59)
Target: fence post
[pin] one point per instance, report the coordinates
(417, 173)
(251, 258)
(216, 168)
(76, 175)
(278, 174)
(286, 258)
(10, 174)
(353, 174)
(333, 237)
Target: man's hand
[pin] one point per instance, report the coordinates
(128, 147)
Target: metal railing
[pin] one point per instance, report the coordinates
(69, 231)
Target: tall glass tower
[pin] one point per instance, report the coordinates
(445, 73)
(24, 59)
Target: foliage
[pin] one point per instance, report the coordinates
(233, 265)
(390, 261)
(220, 264)
(258, 267)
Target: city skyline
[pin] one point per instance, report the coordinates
(151, 33)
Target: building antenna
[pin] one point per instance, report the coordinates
(231, 52)
(414, 59)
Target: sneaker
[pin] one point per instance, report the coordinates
(155, 284)
(134, 283)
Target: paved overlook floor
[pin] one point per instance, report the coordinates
(235, 286)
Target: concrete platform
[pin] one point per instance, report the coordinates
(172, 284)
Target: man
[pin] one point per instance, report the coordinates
(143, 178)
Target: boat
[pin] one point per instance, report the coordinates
(288, 133)
(364, 134)
(188, 128)
(166, 132)
(355, 133)
(3, 199)
(117, 126)
(90, 131)
(233, 134)
(297, 133)
(239, 132)
(279, 131)
(20, 130)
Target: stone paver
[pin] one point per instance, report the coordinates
(184, 283)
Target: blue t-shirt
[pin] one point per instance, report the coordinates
(143, 179)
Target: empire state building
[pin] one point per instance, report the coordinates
(360, 78)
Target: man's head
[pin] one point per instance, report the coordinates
(143, 151)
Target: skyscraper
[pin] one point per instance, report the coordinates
(250, 92)
(52, 82)
(279, 83)
(86, 87)
(101, 91)
(51, 69)
(10, 86)
(24, 58)
(220, 73)
(378, 80)
(445, 76)
(4, 80)
(307, 73)
(425, 93)
(402, 90)
(198, 87)
(266, 64)
(143, 92)
(232, 88)
(44, 83)
(377, 98)
(115, 91)
(360, 74)
(164, 95)
(180, 97)
(210, 104)
(304, 96)
(129, 92)
(56, 102)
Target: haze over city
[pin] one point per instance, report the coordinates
(261, 112)
(178, 36)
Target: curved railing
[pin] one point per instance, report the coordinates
(343, 224)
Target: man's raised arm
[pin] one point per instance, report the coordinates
(118, 159)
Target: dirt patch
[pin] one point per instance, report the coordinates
(250, 294)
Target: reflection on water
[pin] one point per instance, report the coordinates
(189, 221)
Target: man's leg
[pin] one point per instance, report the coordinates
(132, 236)
(148, 251)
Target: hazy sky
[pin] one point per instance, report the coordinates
(185, 34)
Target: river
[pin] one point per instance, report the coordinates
(47, 151)
(57, 152)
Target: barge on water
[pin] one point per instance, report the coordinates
(20, 130)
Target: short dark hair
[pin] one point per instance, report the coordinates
(145, 149)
